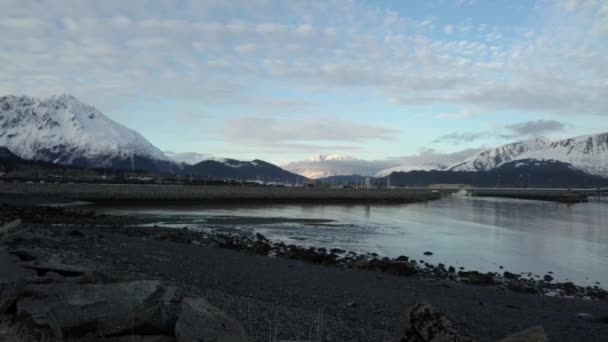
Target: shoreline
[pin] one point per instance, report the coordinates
(354, 291)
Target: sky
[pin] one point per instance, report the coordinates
(284, 80)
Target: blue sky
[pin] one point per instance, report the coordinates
(286, 80)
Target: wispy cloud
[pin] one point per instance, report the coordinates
(538, 127)
(519, 130)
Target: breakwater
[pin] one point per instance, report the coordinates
(100, 193)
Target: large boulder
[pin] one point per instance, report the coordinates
(426, 324)
(75, 310)
(201, 321)
(534, 334)
(10, 271)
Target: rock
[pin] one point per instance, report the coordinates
(25, 255)
(352, 304)
(76, 234)
(63, 269)
(10, 271)
(200, 321)
(548, 278)
(569, 288)
(402, 258)
(260, 237)
(428, 253)
(400, 267)
(75, 310)
(477, 278)
(425, 324)
(262, 248)
(584, 316)
(10, 227)
(522, 287)
(361, 264)
(451, 269)
(509, 275)
(534, 334)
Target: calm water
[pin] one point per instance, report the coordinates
(481, 234)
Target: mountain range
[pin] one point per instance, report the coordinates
(588, 153)
(520, 173)
(61, 130)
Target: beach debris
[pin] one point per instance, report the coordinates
(534, 334)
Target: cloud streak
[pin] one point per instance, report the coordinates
(519, 130)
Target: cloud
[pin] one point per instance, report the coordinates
(534, 128)
(148, 45)
(314, 168)
(429, 159)
(187, 157)
(458, 138)
(271, 131)
(425, 159)
(513, 131)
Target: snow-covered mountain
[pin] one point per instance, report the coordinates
(323, 166)
(588, 153)
(63, 130)
(427, 160)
